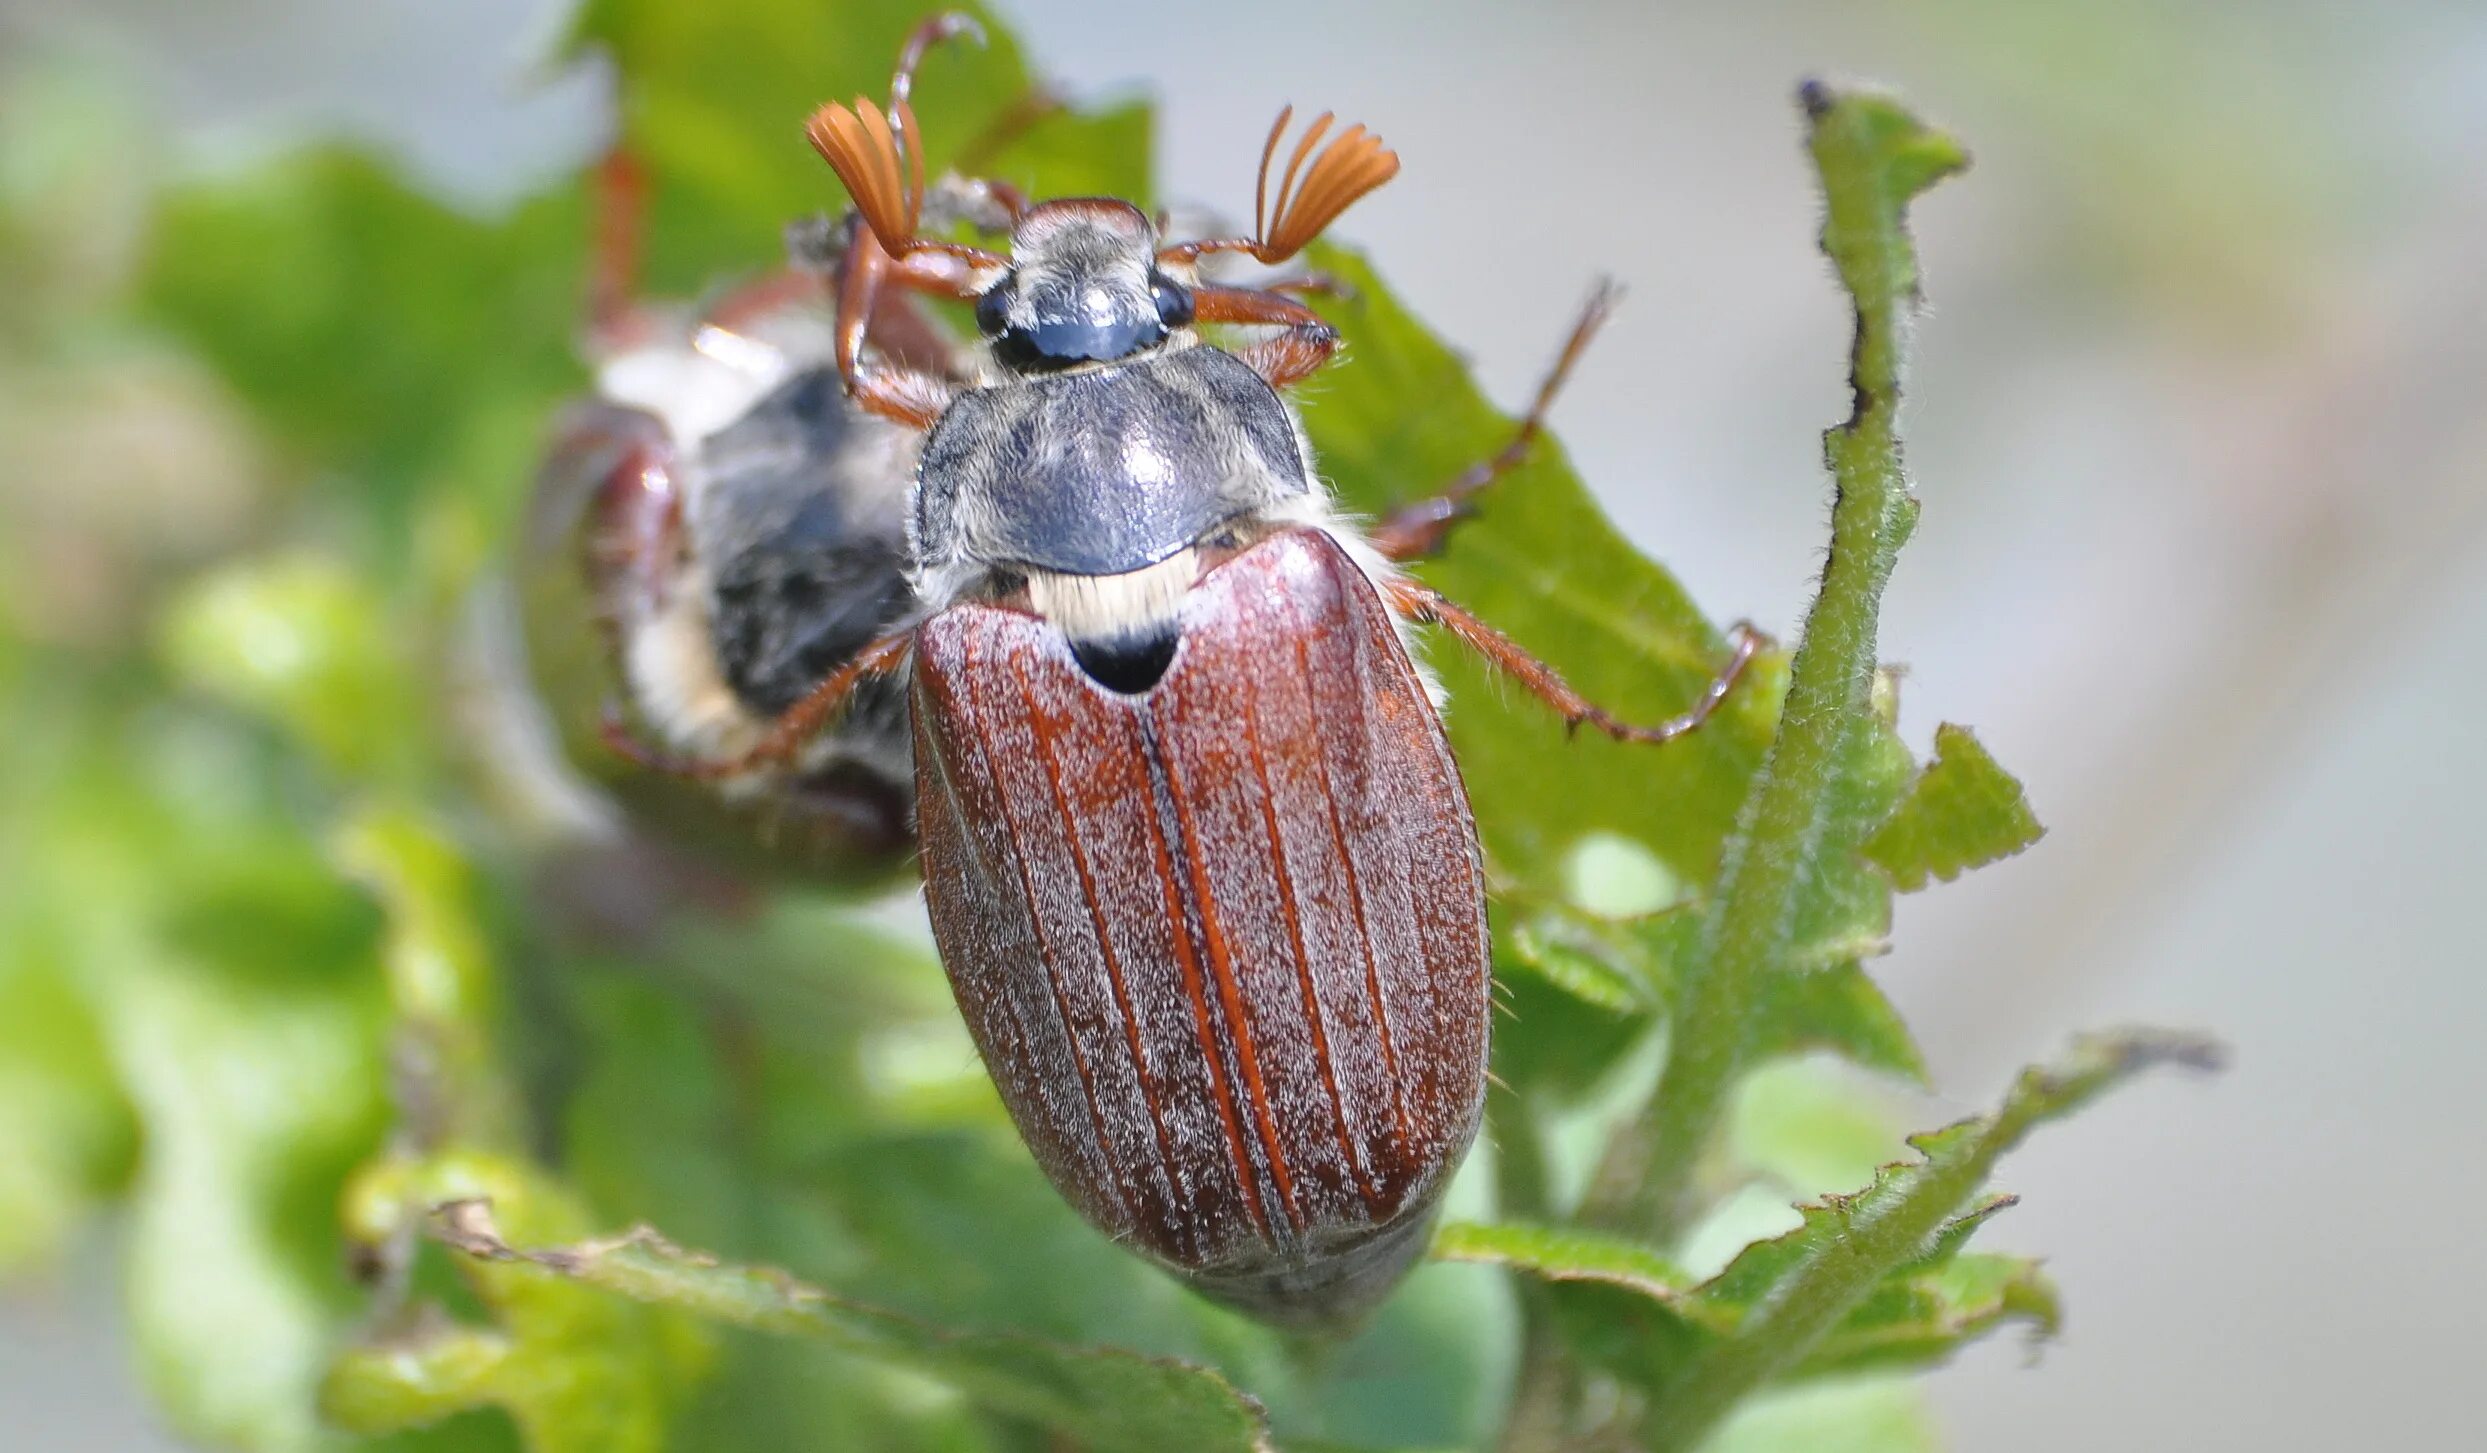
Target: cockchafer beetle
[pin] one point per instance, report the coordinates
(727, 527)
(1198, 860)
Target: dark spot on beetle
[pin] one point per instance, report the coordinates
(1130, 663)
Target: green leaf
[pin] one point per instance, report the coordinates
(1111, 1400)
(439, 972)
(1918, 1320)
(1561, 1254)
(1803, 1291)
(303, 642)
(1874, 1280)
(1963, 812)
(1849, 1415)
(714, 98)
(66, 1124)
(1579, 971)
(1840, 1009)
(577, 1371)
(255, 1091)
(1579, 995)
(394, 345)
(574, 1371)
(1543, 564)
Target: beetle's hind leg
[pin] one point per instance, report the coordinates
(617, 204)
(1417, 529)
(785, 738)
(1421, 604)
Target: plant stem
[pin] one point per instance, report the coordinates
(1541, 1397)
(1521, 1192)
(1872, 158)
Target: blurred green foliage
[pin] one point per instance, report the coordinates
(275, 977)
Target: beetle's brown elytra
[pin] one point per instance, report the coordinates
(1222, 943)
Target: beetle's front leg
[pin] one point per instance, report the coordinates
(786, 737)
(1418, 603)
(892, 391)
(1417, 529)
(1291, 356)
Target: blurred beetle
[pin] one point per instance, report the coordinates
(717, 529)
(1199, 862)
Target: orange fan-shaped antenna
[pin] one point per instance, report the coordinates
(879, 160)
(1354, 163)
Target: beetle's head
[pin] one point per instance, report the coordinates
(1086, 281)
(1083, 286)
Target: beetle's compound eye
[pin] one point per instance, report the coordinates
(993, 309)
(1174, 301)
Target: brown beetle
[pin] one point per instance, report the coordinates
(1198, 859)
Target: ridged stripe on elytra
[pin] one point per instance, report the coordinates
(1237, 1017)
(1180, 913)
(1043, 731)
(1053, 975)
(1285, 882)
(1364, 935)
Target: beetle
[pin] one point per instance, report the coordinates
(717, 528)
(1197, 857)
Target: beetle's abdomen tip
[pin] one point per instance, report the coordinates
(1329, 1292)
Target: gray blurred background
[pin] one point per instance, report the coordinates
(2197, 426)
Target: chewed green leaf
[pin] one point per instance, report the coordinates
(1963, 812)
(1875, 157)
(1918, 1321)
(1110, 1400)
(1799, 1294)
(1877, 1279)
(576, 1371)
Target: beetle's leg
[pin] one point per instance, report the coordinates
(1417, 529)
(1292, 355)
(618, 207)
(899, 330)
(1418, 603)
(634, 530)
(1313, 285)
(785, 737)
(893, 391)
(980, 202)
(606, 499)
